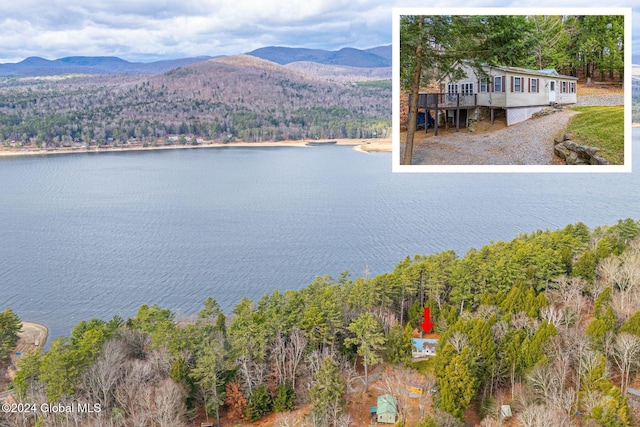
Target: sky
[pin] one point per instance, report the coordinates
(149, 30)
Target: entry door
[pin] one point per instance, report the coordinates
(552, 91)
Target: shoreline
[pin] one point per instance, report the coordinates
(362, 145)
(32, 335)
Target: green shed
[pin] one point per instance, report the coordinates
(386, 410)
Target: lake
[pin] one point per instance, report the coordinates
(94, 235)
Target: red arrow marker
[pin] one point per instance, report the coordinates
(426, 324)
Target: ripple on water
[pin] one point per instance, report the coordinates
(96, 236)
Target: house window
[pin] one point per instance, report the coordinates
(452, 88)
(572, 87)
(497, 84)
(564, 87)
(534, 86)
(517, 84)
(483, 85)
(466, 88)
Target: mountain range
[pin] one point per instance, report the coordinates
(377, 57)
(36, 66)
(240, 97)
(350, 57)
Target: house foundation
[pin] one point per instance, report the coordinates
(517, 115)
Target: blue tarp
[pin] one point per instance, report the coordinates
(425, 117)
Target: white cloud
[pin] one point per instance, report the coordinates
(155, 29)
(138, 29)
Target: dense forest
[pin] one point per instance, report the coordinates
(591, 45)
(227, 98)
(548, 322)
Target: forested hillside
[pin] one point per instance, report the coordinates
(38, 67)
(547, 323)
(376, 57)
(226, 98)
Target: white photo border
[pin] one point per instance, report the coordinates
(397, 167)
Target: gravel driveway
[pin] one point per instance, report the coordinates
(610, 99)
(526, 143)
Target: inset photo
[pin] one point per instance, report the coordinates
(512, 90)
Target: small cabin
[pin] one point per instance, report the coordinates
(423, 347)
(386, 411)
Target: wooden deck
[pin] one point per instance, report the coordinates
(447, 102)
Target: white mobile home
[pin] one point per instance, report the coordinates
(519, 91)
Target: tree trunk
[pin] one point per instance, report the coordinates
(413, 107)
(366, 375)
(215, 396)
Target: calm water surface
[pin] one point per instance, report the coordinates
(85, 236)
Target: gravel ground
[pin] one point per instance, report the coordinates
(526, 143)
(591, 100)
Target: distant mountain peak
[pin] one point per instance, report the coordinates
(370, 58)
(35, 60)
(244, 60)
(36, 66)
(377, 57)
(91, 60)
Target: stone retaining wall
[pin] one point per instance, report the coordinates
(574, 154)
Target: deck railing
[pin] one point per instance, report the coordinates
(445, 100)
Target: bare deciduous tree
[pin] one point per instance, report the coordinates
(490, 422)
(251, 372)
(542, 416)
(522, 320)
(629, 276)
(395, 381)
(553, 314)
(445, 419)
(106, 371)
(568, 293)
(549, 384)
(608, 271)
(287, 354)
(626, 353)
(287, 420)
(168, 402)
(458, 340)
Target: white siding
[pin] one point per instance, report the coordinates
(492, 99)
(525, 97)
(517, 115)
(563, 92)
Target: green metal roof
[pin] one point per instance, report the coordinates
(387, 404)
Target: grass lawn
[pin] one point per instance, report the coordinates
(424, 366)
(601, 127)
